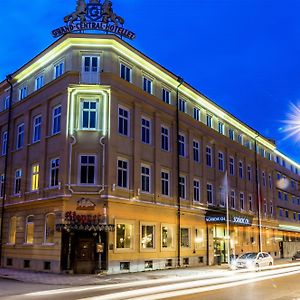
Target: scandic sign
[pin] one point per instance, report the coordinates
(93, 26)
(234, 220)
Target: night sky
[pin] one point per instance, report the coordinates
(242, 54)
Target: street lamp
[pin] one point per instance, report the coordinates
(180, 82)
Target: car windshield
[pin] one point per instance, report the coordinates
(248, 256)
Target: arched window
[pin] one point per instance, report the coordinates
(12, 230)
(29, 233)
(49, 228)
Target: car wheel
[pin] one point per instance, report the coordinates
(256, 267)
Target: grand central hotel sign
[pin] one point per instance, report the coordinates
(94, 16)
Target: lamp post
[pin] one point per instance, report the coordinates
(4, 184)
(180, 82)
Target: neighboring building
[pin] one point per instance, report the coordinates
(92, 167)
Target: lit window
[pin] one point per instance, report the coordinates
(56, 119)
(49, 229)
(20, 136)
(4, 143)
(23, 92)
(89, 115)
(123, 173)
(182, 187)
(196, 114)
(125, 72)
(147, 85)
(165, 183)
(165, 138)
(124, 236)
(35, 173)
(166, 96)
(184, 237)
(221, 161)
(147, 236)
(87, 169)
(12, 230)
(18, 177)
(209, 156)
(146, 131)
(123, 121)
(58, 69)
(182, 105)
(209, 189)
(167, 233)
(39, 82)
(145, 179)
(29, 233)
(196, 151)
(36, 132)
(181, 148)
(54, 172)
(196, 190)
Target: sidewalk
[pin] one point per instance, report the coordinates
(103, 279)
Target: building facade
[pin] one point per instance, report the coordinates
(94, 178)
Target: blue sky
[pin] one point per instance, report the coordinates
(243, 54)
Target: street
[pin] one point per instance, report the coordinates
(270, 284)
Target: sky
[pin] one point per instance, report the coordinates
(242, 54)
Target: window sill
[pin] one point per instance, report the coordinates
(53, 135)
(27, 245)
(48, 244)
(147, 250)
(50, 188)
(32, 192)
(10, 245)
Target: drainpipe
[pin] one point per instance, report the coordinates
(180, 81)
(4, 186)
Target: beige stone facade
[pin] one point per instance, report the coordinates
(93, 145)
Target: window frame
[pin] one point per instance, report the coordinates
(36, 129)
(122, 170)
(89, 111)
(126, 67)
(80, 164)
(56, 116)
(125, 120)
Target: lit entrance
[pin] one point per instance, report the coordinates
(220, 244)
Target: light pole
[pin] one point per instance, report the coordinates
(180, 82)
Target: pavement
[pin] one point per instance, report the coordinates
(104, 279)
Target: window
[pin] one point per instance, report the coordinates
(6, 102)
(123, 121)
(145, 179)
(250, 203)
(196, 114)
(209, 189)
(20, 136)
(56, 119)
(184, 237)
(36, 133)
(4, 143)
(89, 114)
(264, 178)
(147, 236)
(181, 146)
(54, 172)
(87, 169)
(182, 187)
(241, 169)
(124, 236)
(125, 72)
(279, 195)
(146, 131)
(123, 173)
(209, 156)
(196, 151)
(231, 166)
(242, 201)
(182, 105)
(231, 134)
(271, 208)
(35, 173)
(166, 96)
(249, 173)
(286, 197)
(287, 214)
(1, 185)
(222, 196)
(281, 212)
(23, 91)
(167, 233)
(49, 229)
(12, 230)
(18, 177)
(58, 69)
(221, 127)
(232, 199)
(147, 85)
(29, 233)
(221, 161)
(196, 190)
(209, 121)
(165, 183)
(241, 139)
(39, 82)
(165, 138)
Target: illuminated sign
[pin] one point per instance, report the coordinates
(94, 16)
(236, 220)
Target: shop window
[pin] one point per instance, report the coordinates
(147, 236)
(124, 236)
(12, 230)
(29, 233)
(49, 228)
(184, 237)
(167, 233)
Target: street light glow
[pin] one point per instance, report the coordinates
(292, 124)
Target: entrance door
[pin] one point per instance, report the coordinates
(85, 256)
(220, 250)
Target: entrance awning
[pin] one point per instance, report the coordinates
(87, 227)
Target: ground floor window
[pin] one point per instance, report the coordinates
(167, 233)
(49, 228)
(124, 236)
(147, 236)
(185, 237)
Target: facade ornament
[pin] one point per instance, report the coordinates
(79, 13)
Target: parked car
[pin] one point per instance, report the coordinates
(296, 256)
(253, 260)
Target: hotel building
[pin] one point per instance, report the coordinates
(94, 178)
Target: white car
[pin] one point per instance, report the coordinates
(252, 260)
